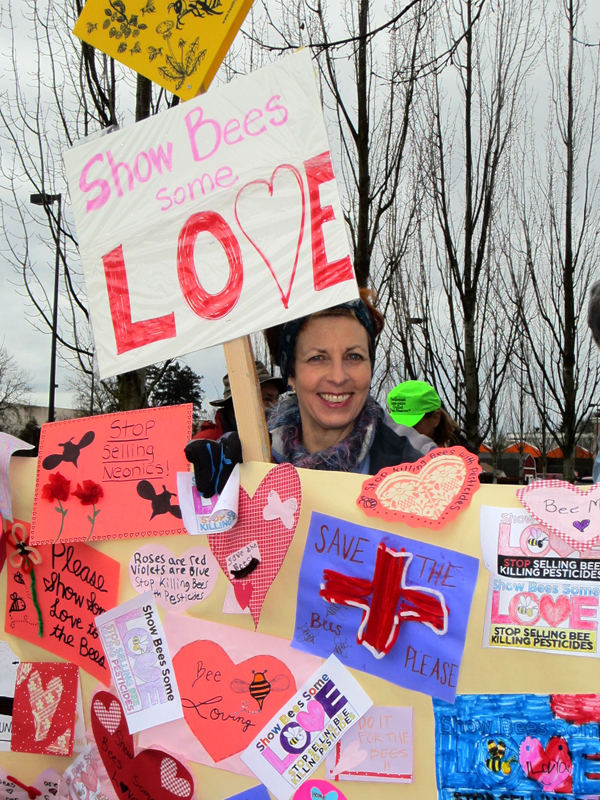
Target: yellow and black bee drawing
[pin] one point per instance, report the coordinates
(295, 735)
(260, 688)
(527, 607)
(199, 8)
(495, 762)
(538, 543)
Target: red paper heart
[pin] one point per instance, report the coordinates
(151, 773)
(225, 704)
(272, 536)
(551, 766)
(243, 593)
(285, 297)
(429, 493)
(555, 611)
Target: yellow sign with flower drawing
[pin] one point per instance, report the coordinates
(179, 45)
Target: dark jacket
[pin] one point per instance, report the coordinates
(389, 449)
(214, 430)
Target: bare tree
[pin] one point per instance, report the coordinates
(77, 91)
(368, 81)
(449, 283)
(557, 254)
(15, 388)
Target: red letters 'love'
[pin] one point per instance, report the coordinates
(205, 305)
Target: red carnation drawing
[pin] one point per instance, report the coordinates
(57, 489)
(89, 493)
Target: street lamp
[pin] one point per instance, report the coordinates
(46, 200)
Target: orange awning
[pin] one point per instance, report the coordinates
(580, 452)
(528, 449)
(483, 448)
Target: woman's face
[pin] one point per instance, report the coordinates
(332, 378)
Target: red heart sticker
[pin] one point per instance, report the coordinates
(150, 773)
(273, 534)
(429, 493)
(226, 704)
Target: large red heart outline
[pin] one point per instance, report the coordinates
(272, 536)
(285, 296)
(571, 513)
(226, 704)
(429, 493)
(151, 773)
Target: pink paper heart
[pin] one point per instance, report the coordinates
(313, 718)
(272, 536)
(571, 513)
(350, 758)
(169, 780)
(109, 717)
(285, 296)
(177, 582)
(89, 778)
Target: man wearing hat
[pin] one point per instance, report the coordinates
(270, 389)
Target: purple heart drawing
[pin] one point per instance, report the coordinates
(581, 524)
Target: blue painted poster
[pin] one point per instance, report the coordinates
(384, 604)
(518, 747)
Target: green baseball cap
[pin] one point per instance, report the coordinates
(410, 401)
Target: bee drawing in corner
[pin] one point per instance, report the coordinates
(260, 688)
(495, 762)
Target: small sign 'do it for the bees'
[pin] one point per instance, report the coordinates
(179, 45)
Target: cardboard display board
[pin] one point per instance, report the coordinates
(483, 671)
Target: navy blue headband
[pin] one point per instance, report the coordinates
(290, 330)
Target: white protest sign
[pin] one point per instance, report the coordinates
(210, 221)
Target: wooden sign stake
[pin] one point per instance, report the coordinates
(247, 400)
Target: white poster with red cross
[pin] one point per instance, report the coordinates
(210, 221)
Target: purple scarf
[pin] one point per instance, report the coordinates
(346, 456)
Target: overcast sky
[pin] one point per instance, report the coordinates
(31, 347)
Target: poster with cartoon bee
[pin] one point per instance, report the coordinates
(177, 45)
(542, 594)
(525, 746)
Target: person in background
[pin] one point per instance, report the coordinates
(270, 389)
(330, 422)
(594, 325)
(415, 411)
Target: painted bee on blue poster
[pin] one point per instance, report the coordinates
(518, 746)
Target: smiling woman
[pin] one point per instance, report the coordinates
(328, 421)
(331, 422)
